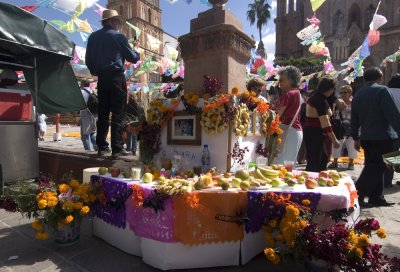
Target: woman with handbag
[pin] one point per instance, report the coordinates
(288, 108)
(318, 129)
(342, 128)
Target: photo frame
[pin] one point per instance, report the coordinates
(184, 129)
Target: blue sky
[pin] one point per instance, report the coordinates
(175, 17)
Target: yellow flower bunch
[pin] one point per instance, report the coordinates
(64, 188)
(37, 225)
(85, 210)
(305, 202)
(46, 199)
(78, 205)
(42, 204)
(74, 184)
(42, 235)
(235, 90)
(292, 212)
(68, 206)
(246, 94)
(381, 233)
(191, 98)
(69, 219)
(363, 240)
(272, 256)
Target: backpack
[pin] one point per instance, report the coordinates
(93, 102)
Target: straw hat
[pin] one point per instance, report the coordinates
(111, 13)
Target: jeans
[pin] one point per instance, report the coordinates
(89, 141)
(112, 95)
(131, 143)
(370, 182)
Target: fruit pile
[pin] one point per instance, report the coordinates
(174, 186)
(241, 121)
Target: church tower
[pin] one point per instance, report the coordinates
(146, 15)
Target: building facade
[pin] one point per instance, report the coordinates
(344, 24)
(146, 15)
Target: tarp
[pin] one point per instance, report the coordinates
(26, 36)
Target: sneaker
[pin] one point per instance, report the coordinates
(103, 151)
(123, 152)
(351, 166)
(333, 165)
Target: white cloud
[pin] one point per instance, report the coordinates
(274, 4)
(269, 44)
(70, 5)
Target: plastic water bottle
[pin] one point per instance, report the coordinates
(205, 159)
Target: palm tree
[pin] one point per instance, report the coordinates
(259, 13)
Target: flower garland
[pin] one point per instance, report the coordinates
(241, 121)
(213, 121)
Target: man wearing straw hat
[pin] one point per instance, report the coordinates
(106, 52)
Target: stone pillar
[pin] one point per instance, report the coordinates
(291, 6)
(215, 46)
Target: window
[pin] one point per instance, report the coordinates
(142, 13)
(369, 15)
(295, 5)
(149, 15)
(355, 15)
(287, 6)
(337, 21)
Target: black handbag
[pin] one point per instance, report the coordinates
(338, 128)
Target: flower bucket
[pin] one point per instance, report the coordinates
(68, 235)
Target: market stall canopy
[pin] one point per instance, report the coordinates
(24, 37)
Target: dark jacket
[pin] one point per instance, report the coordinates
(373, 110)
(107, 50)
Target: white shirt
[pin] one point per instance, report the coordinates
(396, 96)
(85, 94)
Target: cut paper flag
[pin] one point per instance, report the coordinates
(180, 72)
(79, 9)
(79, 54)
(314, 20)
(328, 67)
(153, 43)
(83, 25)
(392, 58)
(58, 23)
(312, 39)
(316, 4)
(29, 8)
(307, 32)
(99, 9)
(373, 37)
(147, 66)
(172, 52)
(46, 3)
(364, 51)
(352, 58)
(377, 22)
(69, 27)
(137, 30)
(84, 37)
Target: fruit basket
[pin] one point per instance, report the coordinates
(392, 160)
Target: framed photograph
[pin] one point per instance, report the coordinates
(250, 130)
(184, 129)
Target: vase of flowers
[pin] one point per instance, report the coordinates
(61, 209)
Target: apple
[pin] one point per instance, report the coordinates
(190, 173)
(236, 182)
(301, 180)
(322, 181)
(305, 174)
(335, 176)
(330, 183)
(225, 185)
(102, 171)
(323, 174)
(291, 182)
(336, 182)
(147, 177)
(311, 183)
(126, 174)
(289, 175)
(114, 171)
(198, 185)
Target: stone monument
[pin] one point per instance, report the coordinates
(216, 46)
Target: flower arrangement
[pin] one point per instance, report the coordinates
(63, 205)
(213, 121)
(294, 235)
(211, 86)
(270, 127)
(237, 154)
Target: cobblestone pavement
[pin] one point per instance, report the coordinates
(19, 251)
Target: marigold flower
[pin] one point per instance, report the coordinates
(246, 94)
(45, 236)
(42, 204)
(381, 233)
(64, 188)
(68, 206)
(38, 235)
(37, 225)
(279, 141)
(253, 94)
(363, 240)
(235, 90)
(52, 203)
(85, 210)
(74, 184)
(78, 205)
(358, 251)
(279, 131)
(303, 224)
(69, 219)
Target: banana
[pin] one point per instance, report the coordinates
(269, 173)
(259, 175)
